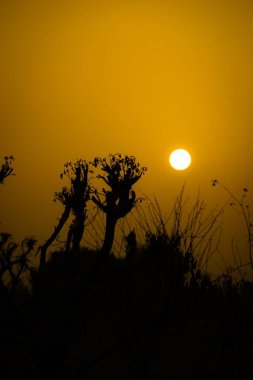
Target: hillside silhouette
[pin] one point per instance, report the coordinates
(154, 313)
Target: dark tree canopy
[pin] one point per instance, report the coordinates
(120, 174)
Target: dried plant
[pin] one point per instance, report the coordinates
(242, 206)
(195, 235)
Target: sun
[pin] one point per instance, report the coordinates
(180, 159)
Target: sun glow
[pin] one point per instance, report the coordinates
(180, 159)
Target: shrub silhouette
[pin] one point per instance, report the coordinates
(13, 263)
(191, 239)
(6, 169)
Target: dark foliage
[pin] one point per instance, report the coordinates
(155, 314)
(6, 169)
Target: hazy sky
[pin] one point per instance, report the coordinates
(86, 78)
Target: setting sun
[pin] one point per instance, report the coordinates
(180, 159)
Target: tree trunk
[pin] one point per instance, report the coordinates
(78, 233)
(109, 234)
(44, 248)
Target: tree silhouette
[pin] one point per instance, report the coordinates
(73, 198)
(79, 195)
(119, 175)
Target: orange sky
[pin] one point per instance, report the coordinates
(86, 78)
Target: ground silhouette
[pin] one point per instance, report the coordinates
(154, 314)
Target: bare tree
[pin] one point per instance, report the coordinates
(119, 174)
